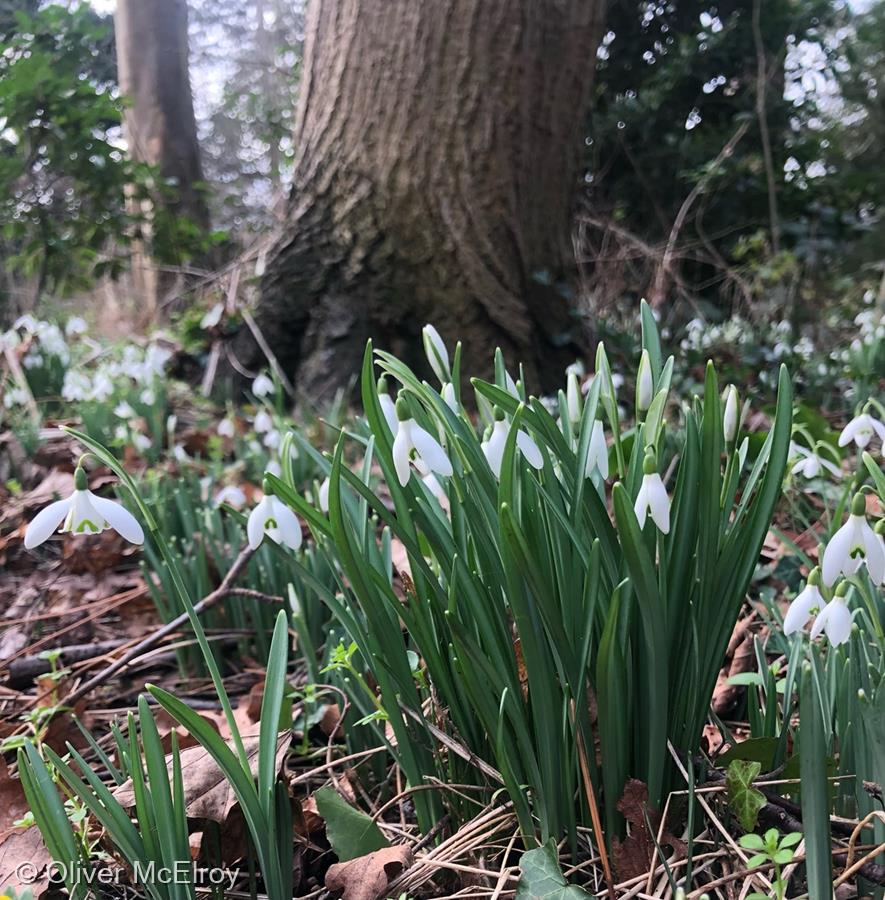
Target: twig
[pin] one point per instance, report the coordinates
(761, 115)
(208, 601)
(659, 289)
(265, 349)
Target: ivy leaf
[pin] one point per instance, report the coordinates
(745, 800)
(542, 879)
(350, 832)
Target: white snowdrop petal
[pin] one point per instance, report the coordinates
(494, 448)
(119, 518)
(659, 503)
(640, 507)
(820, 621)
(402, 446)
(800, 609)
(874, 552)
(530, 449)
(838, 623)
(256, 522)
(45, 522)
(836, 554)
(431, 451)
(287, 523)
(849, 431)
(388, 407)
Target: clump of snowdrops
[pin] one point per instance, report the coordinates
(560, 558)
(561, 561)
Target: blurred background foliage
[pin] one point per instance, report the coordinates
(678, 83)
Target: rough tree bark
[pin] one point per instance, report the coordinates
(438, 154)
(159, 123)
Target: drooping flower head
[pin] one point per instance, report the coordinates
(804, 603)
(83, 513)
(262, 386)
(411, 442)
(272, 517)
(493, 448)
(861, 429)
(652, 497)
(854, 544)
(834, 619)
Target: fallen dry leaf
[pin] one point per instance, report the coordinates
(367, 877)
(633, 856)
(207, 793)
(18, 845)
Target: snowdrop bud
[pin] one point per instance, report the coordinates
(448, 394)
(573, 398)
(644, 383)
(437, 355)
(730, 418)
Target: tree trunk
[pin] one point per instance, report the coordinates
(438, 154)
(159, 123)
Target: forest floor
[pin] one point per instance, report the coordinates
(77, 608)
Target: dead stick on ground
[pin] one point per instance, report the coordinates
(594, 809)
(151, 640)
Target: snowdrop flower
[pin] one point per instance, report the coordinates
(388, 407)
(731, 415)
(811, 464)
(262, 386)
(272, 517)
(804, 603)
(226, 428)
(148, 397)
(436, 352)
(861, 430)
(413, 442)
(102, 387)
(83, 513)
(32, 360)
(493, 448)
(141, 441)
(652, 497)
(597, 452)
(213, 317)
(854, 543)
(834, 619)
(273, 467)
(272, 439)
(644, 383)
(75, 326)
(323, 495)
(124, 411)
(179, 453)
(232, 495)
(448, 394)
(263, 422)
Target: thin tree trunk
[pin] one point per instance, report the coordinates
(159, 123)
(438, 155)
